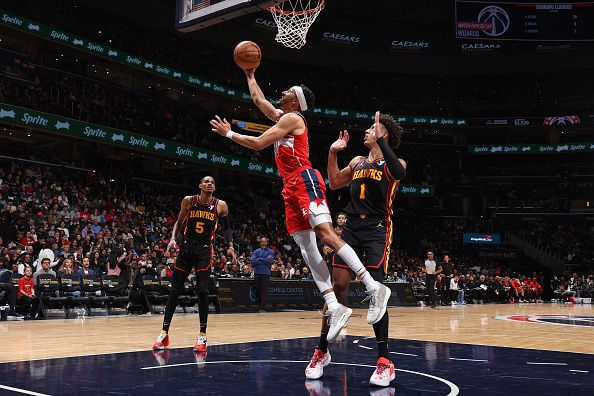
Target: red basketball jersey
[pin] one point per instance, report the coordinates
(291, 153)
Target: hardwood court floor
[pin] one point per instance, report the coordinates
(471, 324)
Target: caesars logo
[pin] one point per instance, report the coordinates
(340, 39)
(561, 120)
(399, 45)
(479, 46)
(492, 21)
(266, 25)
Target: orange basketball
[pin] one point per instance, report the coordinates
(247, 55)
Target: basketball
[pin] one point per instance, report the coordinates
(247, 55)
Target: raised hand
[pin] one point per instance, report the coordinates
(220, 126)
(341, 143)
(376, 134)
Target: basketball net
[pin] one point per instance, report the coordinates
(293, 19)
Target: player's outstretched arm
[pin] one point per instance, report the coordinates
(285, 125)
(338, 178)
(181, 218)
(260, 100)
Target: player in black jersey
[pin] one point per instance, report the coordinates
(373, 182)
(193, 234)
(340, 220)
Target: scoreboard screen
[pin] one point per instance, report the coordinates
(571, 21)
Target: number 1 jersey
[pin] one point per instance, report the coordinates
(372, 190)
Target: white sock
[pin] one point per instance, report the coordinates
(331, 301)
(370, 283)
(350, 258)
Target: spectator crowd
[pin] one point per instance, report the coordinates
(61, 222)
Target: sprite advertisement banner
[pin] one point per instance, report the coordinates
(532, 148)
(58, 36)
(79, 129)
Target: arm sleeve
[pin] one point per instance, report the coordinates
(394, 166)
(227, 229)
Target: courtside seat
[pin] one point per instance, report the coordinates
(46, 288)
(91, 287)
(213, 294)
(113, 289)
(71, 283)
(164, 291)
(152, 291)
(14, 278)
(188, 297)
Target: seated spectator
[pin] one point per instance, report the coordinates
(11, 290)
(457, 292)
(167, 271)
(45, 269)
(26, 261)
(85, 269)
(26, 295)
(306, 274)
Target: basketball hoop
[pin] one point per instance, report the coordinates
(293, 19)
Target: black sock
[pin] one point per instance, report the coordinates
(203, 310)
(169, 310)
(323, 344)
(381, 335)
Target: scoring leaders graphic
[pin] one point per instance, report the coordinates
(570, 21)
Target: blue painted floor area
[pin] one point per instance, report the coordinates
(277, 368)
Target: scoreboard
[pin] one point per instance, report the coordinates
(519, 21)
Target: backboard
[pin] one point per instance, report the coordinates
(192, 15)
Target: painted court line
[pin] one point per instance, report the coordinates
(364, 347)
(471, 360)
(454, 390)
(19, 390)
(405, 354)
(548, 363)
(579, 371)
(148, 350)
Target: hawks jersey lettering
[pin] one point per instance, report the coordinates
(201, 223)
(291, 153)
(372, 191)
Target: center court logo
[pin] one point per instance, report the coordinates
(497, 18)
(562, 320)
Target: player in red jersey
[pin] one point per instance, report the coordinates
(306, 211)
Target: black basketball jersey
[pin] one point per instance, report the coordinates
(201, 223)
(372, 191)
